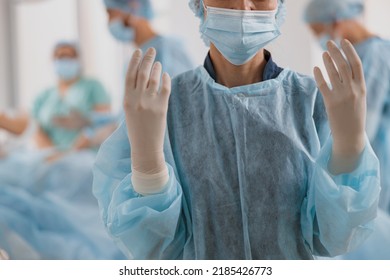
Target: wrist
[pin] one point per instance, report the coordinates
(349, 148)
(346, 155)
(148, 163)
(146, 184)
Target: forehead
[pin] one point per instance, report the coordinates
(318, 28)
(65, 51)
(114, 12)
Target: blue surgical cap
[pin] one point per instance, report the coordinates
(141, 8)
(328, 11)
(197, 7)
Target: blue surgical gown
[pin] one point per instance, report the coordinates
(375, 56)
(248, 178)
(83, 96)
(50, 228)
(377, 246)
(69, 177)
(16, 247)
(47, 210)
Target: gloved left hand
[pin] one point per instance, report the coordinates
(345, 104)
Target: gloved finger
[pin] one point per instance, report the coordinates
(342, 65)
(331, 69)
(321, 83)
(155, 76)
(165, 91)
(145, 69)
(131, 76)
(354, 60)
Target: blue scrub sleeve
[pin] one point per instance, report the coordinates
(337, 214)
(38, 103)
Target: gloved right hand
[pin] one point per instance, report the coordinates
(146, 106)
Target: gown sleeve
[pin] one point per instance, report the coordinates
(144, 227)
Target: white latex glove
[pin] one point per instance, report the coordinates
(146, 106)
(345, 104)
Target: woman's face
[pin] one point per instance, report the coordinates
(260, 5)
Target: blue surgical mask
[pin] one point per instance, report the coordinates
(67, 69)
(239, 34)
(121, 32)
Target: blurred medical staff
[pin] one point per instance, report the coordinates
(65, 112)
(130, 22)
(340, 19)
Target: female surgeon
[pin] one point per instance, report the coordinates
(239, 158)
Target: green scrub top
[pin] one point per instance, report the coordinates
(83, 97)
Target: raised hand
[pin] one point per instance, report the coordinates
(345, 104)
(146, 106)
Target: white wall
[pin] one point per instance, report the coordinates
(183, 23)
(377, 16)
(103, 57)
(293, 48)
(38, 27)
(4, 75)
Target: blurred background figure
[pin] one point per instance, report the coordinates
(130, 22)
(343, 19)
(47, 210)
(65, 112)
